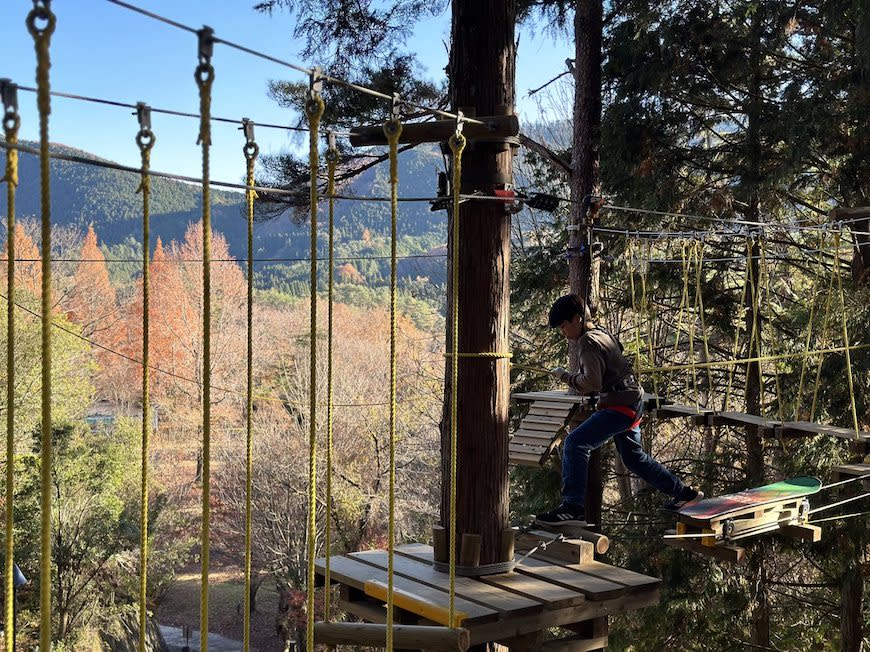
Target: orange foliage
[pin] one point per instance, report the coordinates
(28, 268)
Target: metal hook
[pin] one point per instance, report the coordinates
(248, 129)
(396, 108)
(315, 81)
(206, 43)
(9, 93)
(143, 113)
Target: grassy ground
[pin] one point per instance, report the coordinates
(226, 607)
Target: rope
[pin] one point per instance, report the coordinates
(808, 341)
(250, 150)
(699, 300)
(825, 322)
(846, 335)
(494, 355)
(145, 140)
(457, 145)
(314, 111)
(392, 130)
(40, 24)
(737, 328)
(838, 503)
(332, 160)
(204, 76)
(11, 122)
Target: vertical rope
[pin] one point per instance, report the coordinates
(314, 111)
(250, 151)
(457, 145)
(332, 159)
(647, 306)
(738, 327)
(204, 76)
(810, 321)
(11, 122)
(145, 139)
(392, 129)
(40, 24)
(755, 334)
(699, 301)
(837, 237)
(634, 306)
(825, 321)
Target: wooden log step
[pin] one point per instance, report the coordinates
(404, 636)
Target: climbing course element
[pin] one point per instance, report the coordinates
(314, 111)
(145, 139)
(40, 24)
(250, 150)
(718, 522)
(204, 76)
(392, 130)
(11, 122)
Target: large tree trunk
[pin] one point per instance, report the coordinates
(851, 609)
(585, 148)
(481, 72)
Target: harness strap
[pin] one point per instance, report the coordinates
(631, 413)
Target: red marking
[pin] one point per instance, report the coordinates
(627, 411)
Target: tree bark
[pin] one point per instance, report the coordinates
(582, 273)
(481, 73)
(851, 610)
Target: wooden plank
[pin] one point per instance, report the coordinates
(553, 596)
(803, 532)
(355, 573)
(565, 551)
(594, 588)
(534, 434)
(807, 428)
(846, 471)
(501, 630)
(631, 580)
(742, 419)
(541, 426)
(506, 603)
(555, 397)
(543, 419)
(534, 447)
(553, 405)
(730, 553)
(524, 460)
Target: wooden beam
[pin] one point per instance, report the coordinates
(437, 131)
(856, 211)
(404, 636)
(734, 554)
(807, 532)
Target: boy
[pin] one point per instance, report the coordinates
(603, 371)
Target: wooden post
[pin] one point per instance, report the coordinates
(481, 73)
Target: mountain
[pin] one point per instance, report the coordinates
(84, 194)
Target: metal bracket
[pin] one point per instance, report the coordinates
(143, 114)
(315, 82)
(396, 108)
(206, 43)
(9, 93)
(248, 129)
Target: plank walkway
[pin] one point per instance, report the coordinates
(541, 593)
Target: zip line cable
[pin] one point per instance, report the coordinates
(183, 114)
(311, 72)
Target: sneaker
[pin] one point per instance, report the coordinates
(562, 515)
(688, 496)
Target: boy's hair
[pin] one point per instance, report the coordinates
(564, 309)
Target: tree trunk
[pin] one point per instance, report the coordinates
(481, 73)
(582, 273)
(851, 610)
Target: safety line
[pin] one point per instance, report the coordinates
(847, 481)
(307, 71)
(841, 502)
(840, 517)
(183, 114)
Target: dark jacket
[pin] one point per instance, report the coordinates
(604, 370)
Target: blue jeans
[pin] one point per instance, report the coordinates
(595, 432)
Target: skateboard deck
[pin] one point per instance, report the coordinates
(750, 499)
(754, 511)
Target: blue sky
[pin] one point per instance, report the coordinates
(105, 51)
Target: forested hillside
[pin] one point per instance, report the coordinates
(85, 194)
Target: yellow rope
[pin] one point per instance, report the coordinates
(41, 32)
(634, 306)
(825, 322)
(392, 129)
(495, 355)
(755, 334)
(692, 378)
(837, 237)
(647, 306)
(737, 328)
(204, 77)
(765, 275)
(314, 111)
(457, 145)
(11, 123)
(332, 159)
(699, 301)
(810, 321)
(145, 139)
(250, 151)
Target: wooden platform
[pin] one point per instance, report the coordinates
(509, 608)
(846, 471)
(544, 427)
